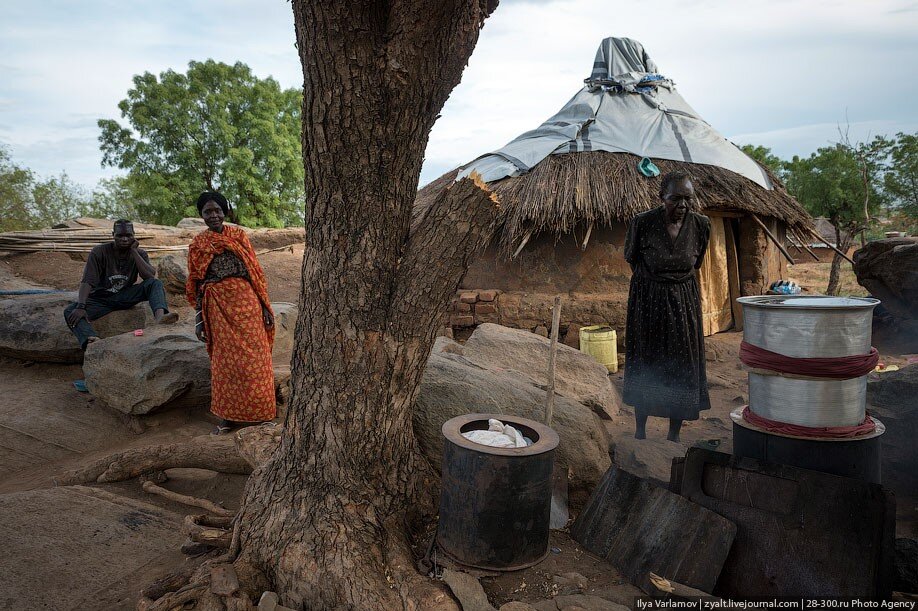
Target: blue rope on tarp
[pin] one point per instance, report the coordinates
(31, 292)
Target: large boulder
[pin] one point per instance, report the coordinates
(889, 270)
(453, 385)
(166, 367)
(172, 270)
(192, 222)
(284, 324)
(578, 376)
(892, 400)
(32, 327)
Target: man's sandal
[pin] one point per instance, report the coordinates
(221, 429)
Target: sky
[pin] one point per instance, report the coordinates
(780, 73)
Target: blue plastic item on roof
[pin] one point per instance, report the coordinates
(648, 168)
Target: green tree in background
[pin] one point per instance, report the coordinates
(216, 127)
(901, 178)
(15, 194)
(28, 202)
(764, 156)
(842, 183)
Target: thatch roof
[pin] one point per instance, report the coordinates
(567, 190)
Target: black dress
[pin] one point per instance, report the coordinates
(664, 341)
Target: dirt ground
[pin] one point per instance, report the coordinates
(47, 427)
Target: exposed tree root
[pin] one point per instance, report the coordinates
(256, 444)
(215, 509)
(175, 580)
(210, 530)
(214, 453)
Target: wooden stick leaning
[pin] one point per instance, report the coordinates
(802, 240)
(840, 253)
(772, 237)
(552, 349)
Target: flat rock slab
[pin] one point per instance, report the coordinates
(63, 547)
(800, 532)
(32, 327)
(640, 527)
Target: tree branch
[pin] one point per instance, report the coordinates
(444, 238)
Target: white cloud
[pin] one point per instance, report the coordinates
(778, 72)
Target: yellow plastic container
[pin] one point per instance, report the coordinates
(600, 342)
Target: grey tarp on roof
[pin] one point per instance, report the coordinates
(616, 112)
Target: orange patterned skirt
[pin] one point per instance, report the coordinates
(242, 374)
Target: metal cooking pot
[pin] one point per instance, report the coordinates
(808, 327)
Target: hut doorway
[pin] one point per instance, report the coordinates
(718, 278)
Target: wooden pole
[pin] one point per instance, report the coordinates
(552, 348)
(840, 253)
(522, 244)
(587, 238)
(773, 238)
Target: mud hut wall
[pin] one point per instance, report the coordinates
(593, 282)
(760, 262)
(520, 292)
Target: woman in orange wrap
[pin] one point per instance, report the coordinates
(227, 287)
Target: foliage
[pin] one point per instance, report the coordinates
(28, 202)
(15, 194)
(840, 182)
(216, 127)
(901, 179)
(764, 156)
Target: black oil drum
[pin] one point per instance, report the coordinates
(857, 457)
(495, 503)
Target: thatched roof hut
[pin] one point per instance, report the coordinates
(568, 189)
(565, 191)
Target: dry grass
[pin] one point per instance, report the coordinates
(563, 191)
(814, 278)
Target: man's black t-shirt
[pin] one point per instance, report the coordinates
(107, 272)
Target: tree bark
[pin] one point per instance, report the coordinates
(324, 517)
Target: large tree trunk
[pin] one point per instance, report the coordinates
(323, 520)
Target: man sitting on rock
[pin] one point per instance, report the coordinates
(109, 284)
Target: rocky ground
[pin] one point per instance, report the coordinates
(95, 546)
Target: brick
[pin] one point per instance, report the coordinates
(462, 321)
(488, 295)
(485, 308)
(463, 308)
(468, 296)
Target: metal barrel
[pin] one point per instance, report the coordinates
(808, 327)
(495, 503)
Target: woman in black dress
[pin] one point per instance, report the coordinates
(664, 342)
